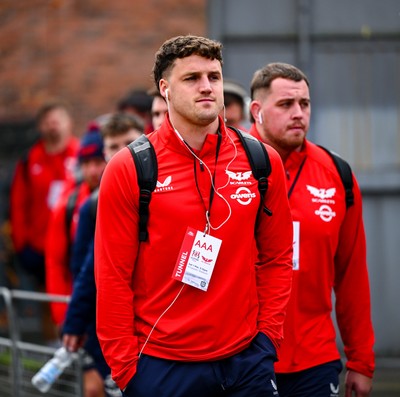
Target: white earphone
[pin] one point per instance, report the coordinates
(260, 119)
(166, 94)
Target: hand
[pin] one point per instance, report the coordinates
(358, 384)
(73, 342)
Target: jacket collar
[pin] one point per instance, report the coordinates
(170, 138)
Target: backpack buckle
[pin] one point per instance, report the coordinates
(263, 184)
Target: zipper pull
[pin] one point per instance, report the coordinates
(267, 211)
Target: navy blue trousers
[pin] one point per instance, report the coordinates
(248, 373)
(319, 381)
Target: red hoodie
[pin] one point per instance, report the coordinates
(332, 254)
(135, 289)
(36, 187)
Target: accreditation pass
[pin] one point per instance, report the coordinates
(196, 259)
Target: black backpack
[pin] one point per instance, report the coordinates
(345, 174)
(145, 160)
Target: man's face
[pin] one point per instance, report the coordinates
(285, 112)
(113, 144)
(55, 125)
(195, 90)
(92, 170)
(158, 110)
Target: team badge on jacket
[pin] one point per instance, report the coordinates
(325, 197)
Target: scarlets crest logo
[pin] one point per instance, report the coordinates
(239, 176)
(321, 193)
(325, 198)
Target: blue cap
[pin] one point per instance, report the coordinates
(91, 144)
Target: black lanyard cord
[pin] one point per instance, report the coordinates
(212, 188)
(296, 177)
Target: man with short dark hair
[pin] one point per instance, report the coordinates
(137, 102)
(197, 309)
(159, 108)
(235, 100)
(329, 248)
(39, 179)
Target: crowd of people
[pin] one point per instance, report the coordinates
(230, 293)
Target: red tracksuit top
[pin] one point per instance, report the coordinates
(36, 187)
(58, 249)
(134, 283)
(332, 255)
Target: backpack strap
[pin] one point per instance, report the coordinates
(259, 162)
(94, 198)
(69, 213)
(145, 159)
(345, 174)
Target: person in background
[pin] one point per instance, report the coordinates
(64, 219)
(158, 108)
(79, 328)
(138, 102)
(39, 179)
(164, 336)
(329, 248)
(235, 101)
(40, 176)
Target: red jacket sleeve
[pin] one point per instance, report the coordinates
(58, 274)
(117, 198)
(353, 302)
(274, 237)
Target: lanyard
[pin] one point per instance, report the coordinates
(296, 177)
(212, 188)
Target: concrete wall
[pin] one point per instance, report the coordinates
(350, 50)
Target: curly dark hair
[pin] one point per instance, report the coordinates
(182, 47)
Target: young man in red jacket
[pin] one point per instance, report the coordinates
(328, 248)
(39, 179)
(64, 219)
(161, 332)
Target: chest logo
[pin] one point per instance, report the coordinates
(321, 193)
(239, 176)
(164, 186)
(325, 213)
(243, 195)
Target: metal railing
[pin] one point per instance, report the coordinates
(20, 360)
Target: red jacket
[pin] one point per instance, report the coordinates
(134, 282)
(36, 187)
(58, 249)
(332, 255)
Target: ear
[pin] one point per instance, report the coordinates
(255, 108)
(163, 87)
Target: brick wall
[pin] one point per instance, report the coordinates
(90, 52)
